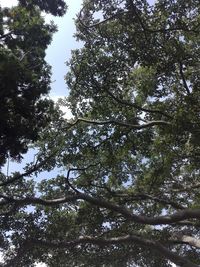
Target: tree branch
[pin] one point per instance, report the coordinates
(138, 240)
(125, 212)
(187, 240)
(159, 200)
(76, 169)
(144, 27)
(142, 196)
(192, 241)
(100, 22)
(34, 168)
(183, 78)
(121, 123)
(6, 34)
(127, 103)
(186, 188)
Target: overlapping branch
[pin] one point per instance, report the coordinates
(139, 240)
(176, 217)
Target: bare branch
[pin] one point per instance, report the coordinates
(35, 201)
(186, 239)
(191, 241)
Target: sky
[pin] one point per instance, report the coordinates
(60, 49)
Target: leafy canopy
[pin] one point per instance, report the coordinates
(24, 74)
(129, 191)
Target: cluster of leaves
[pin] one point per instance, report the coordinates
(24, 74)
(128, 194)
(56, 7)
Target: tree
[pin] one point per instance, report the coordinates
(129, 192)
(56, 7)
(24, 74)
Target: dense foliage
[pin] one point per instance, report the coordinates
(24, 74)
(54, 7)
(128, 194)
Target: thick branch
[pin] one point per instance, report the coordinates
(126, 213)
(138, 240)
(191, 241)
(141, 196)
(186, 239)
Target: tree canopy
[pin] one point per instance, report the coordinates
(128, 194)
(24, 74)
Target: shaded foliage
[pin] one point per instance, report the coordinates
(24, 74)
(55, 7)
(128, 193)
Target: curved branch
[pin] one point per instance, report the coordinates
(121, 123)
(187, 240)
(150, 244)
(125, 212)
(192, 241)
